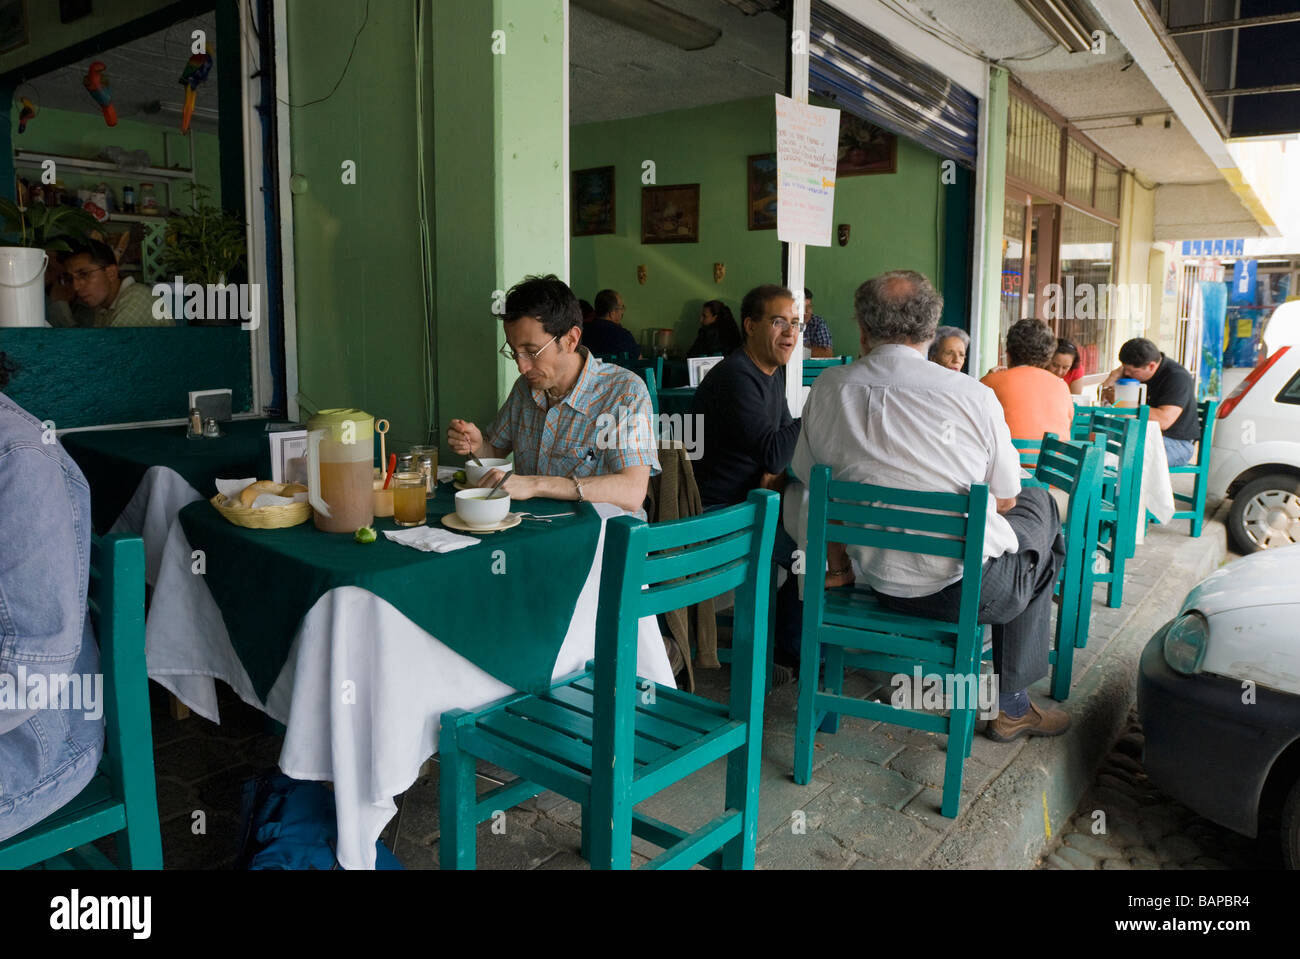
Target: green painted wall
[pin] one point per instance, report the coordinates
(68, 133)
(92, 377)
(894, 220)
(360, 306)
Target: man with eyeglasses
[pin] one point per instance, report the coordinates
(580, 429)
(749, 435)
(605, 333)
(117, 300)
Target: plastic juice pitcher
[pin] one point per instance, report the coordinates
(1130, 393)
(340, 464)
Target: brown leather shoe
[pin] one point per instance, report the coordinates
(1034, 722)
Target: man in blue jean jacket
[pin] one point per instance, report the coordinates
(48, 750)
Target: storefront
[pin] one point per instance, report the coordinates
(1060, 234)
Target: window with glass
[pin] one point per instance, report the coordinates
(1088, 301)
(1013, 263)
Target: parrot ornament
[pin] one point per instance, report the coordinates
(27, 113)
(97, 86)
(196, 72)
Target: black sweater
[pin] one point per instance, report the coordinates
(748, 430)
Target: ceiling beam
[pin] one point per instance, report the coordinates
(1216, 25)
(1252, 91)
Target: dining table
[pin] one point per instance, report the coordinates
(359, 648)
(140, 478)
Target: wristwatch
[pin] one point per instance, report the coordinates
(578, 486)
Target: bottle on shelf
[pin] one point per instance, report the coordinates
(128, 199)
(148, 200)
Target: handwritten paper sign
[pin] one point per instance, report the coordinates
(807, 143)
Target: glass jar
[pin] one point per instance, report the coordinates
(148, 202)
(409, 499)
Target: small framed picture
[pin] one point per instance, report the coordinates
(761, 178)
(865, 148)
(670, 214)
(698, 366)
(593, 201)
(288, 456)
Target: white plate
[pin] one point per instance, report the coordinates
(453, 521)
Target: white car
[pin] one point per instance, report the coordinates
(1282, 328)
(1255, 455)
(1219, 699)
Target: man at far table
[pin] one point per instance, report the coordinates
(1171, 395)
(580, 429)
(116, 300)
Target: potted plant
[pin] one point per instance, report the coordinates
(29, 234)
(206, 246)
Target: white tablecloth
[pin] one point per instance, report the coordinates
(1157, 492)
(363, 689)
(162, 494)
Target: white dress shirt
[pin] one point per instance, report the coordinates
(896, 419)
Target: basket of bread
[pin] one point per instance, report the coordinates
(262, 504)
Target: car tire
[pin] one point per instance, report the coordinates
(1291, 828)
(1247, 525)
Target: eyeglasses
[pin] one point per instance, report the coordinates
(514, 357)
(71, 279)
(781, 324)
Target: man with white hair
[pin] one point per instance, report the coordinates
(895, 419)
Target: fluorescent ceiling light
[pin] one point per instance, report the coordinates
(656, 20)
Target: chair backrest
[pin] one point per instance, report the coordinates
(1074, 468)
(653, 568)
(1028, 450)
(910, 521)
(814, 368)
(116, 601)
(1206, 413)
(1081, 427)
(651, 384)
(656, 364)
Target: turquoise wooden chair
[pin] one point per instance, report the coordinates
(122, 797)
(1074, 468)
(1199, 469)
(814, 368)
(599, 739)
(1028, 450)
(656, 364)
(1082, 429)
(651, 384)
(1124, 437)
(852, 618)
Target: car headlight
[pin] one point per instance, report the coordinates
(1185, 642)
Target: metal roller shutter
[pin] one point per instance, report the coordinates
(868, 76)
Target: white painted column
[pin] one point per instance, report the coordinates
(795, 251)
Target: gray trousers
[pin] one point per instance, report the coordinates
(1015, 593)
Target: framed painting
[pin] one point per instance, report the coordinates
(593, 201)
(670, 214)
(761, 196)
(13, 24)
(865, 148)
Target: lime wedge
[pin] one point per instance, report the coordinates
(365, 534)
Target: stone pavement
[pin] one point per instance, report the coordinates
(873, 801)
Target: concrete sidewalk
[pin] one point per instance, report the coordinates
(873, 801)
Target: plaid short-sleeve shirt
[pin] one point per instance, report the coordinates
(603, 426)
(817, 333)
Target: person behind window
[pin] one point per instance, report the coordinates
(1067, 364)
(62, 309)
(949, 348)
(1033, 400)
(115, 299)
(48, 751)
(718, 334)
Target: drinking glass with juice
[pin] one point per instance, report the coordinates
(408, 499)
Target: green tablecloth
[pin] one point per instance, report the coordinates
(677, 400)
(115, 461)
(506, 612)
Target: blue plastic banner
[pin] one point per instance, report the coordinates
(1243, 283)
(1214, 302)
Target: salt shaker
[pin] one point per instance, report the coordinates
(210, 428)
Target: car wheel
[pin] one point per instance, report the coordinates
(1291, 828)
(1265, 513)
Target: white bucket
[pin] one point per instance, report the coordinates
(22, 286)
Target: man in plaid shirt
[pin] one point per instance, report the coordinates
(816, 334)
(579, 429)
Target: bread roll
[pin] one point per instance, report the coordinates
(252, 492)
(292, 489)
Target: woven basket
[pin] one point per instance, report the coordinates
(268, 517)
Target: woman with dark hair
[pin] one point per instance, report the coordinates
(1033, 400)
(1066, 364)
(719, 334)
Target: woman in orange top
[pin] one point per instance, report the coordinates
(1033, 400)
